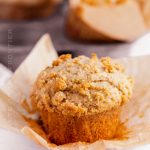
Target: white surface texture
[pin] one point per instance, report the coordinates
(5, 74)
(14, 141)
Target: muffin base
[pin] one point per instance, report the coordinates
(62, 129)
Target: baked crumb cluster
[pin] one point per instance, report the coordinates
(81, 86)
(103, 2)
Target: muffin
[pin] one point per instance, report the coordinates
(145, 8)
(79, 99)
(26, 9)
(100, 20)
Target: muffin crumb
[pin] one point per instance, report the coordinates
(61, 59)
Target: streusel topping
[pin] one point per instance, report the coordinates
(82, 85)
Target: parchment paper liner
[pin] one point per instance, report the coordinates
(135, 115)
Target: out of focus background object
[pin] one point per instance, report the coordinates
(145, 8)
(18, 37)
(119, 20)
(26, 9)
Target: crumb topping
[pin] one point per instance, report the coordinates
(103, 2)
(81, 86)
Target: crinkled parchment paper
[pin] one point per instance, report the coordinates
(135, 115)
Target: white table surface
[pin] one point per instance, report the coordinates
(13, 141)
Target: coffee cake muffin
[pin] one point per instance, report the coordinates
(27, 9)
(79, 99)
(104, 20)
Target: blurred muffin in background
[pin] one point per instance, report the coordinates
(26, 9)
(104, 20)
(145, 7)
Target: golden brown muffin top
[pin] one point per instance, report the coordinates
(81, 86)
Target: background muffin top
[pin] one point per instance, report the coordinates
(81, 86)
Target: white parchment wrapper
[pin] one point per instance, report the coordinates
(135, 115)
